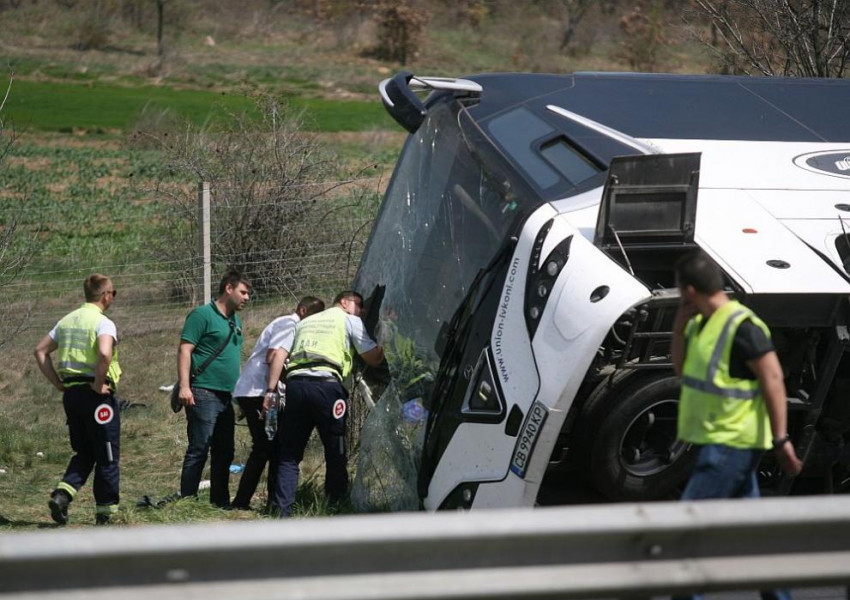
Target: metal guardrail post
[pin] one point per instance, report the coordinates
(565, 552)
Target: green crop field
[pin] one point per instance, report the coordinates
(96, 107)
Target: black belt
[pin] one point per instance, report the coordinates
(314, 379)
(85, 379)
(336, 371)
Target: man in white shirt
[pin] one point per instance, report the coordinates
(259, 380)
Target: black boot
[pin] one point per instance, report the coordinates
(58, 503)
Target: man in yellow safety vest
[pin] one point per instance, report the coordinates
(86, 374)
(732, 404)
(319, 362)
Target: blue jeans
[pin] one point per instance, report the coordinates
(209, 426)
(725, 472)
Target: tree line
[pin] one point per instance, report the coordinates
(756, 37)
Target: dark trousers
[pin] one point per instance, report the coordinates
(209, 426)
(310, 404)
(96, 447)
(263, 451)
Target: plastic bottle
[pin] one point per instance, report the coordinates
(271, 416)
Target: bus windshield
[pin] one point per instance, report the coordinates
(443, 218)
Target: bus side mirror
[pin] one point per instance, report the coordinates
(403, 105)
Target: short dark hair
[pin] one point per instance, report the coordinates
(311, 305)
(348, 295)
(94, 285)
(233, 278)
(698, 270)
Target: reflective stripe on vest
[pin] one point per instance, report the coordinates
(77, 344)
(321, 344)
(716, 408)
(707, 385)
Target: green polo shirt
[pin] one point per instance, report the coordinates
(207, 328)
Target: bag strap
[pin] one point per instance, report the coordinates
(215, 354)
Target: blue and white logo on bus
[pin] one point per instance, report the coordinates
(833, 163)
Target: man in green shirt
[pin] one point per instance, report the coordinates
(208, 361)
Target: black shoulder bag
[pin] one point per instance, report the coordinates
(175, 391)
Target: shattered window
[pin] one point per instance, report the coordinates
(443, 219)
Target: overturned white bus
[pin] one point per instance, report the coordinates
(523, 252)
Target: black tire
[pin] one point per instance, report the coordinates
(634, 454)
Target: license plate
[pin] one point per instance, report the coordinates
(528, 438)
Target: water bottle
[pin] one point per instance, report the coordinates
(271, 416)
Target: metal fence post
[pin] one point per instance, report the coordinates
(204, 238)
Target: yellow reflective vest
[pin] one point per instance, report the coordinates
(714, 407)
(321, 344)
(77, 341)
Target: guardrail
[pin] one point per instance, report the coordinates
(622, 550)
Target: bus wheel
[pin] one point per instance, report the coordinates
(635, 454)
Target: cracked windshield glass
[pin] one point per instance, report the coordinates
(442, 220)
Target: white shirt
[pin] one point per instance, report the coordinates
(277, 335)
(357, 335)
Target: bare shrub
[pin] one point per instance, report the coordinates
(400, 25)
(469, 12)
(93, 30)
(279, 213)
(91, 34)
(642, 36)
(806, 38)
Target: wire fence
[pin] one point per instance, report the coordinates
(289, 244)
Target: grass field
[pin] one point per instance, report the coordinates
(109, 108)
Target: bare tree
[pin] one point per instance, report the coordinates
(571, 13)
(805, 38)
(160, 20)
